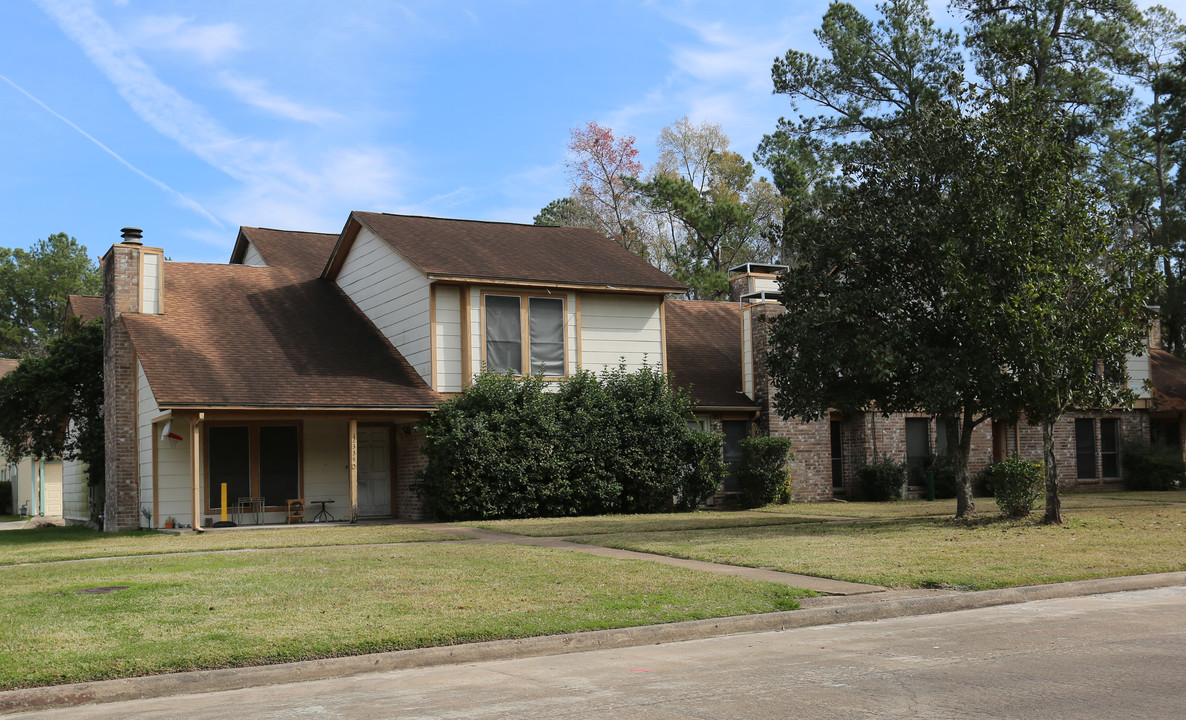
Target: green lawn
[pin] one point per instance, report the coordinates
(984, 506)
(559, 527)
(1127, 539)
(11, 518)
(76, 543)
(187, 611)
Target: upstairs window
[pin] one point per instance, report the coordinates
(525, 335)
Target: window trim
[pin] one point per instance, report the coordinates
(253, 458)
(525, 326)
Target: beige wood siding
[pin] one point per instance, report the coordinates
(150, 286)
(393, 294)
(252, 257)
(327, 465)
(1138, 375)
(620, 328)
(53, 487)
(448, 338)
(174, 495)
(75, 494)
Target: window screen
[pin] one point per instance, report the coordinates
(1110, 447)
(279, 464)
(735, 431)
(546, 327)
(504, 335)
(918, 449)
(230, 463)
(837, 442)
(1085, 447)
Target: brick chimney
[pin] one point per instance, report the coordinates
(132, 277)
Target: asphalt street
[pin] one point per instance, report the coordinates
(1119, 655)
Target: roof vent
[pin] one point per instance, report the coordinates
(131, 235)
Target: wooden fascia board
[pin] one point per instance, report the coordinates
(240, 249)
(182, 409)
(337, 256)
(530, 285)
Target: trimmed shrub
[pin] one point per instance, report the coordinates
(1150, 468)
(944, 470)
(763, 471)
(882, 480)
(519, 447)
(1017, 484)
(6, 497)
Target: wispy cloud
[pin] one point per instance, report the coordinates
(207, 43)
(253, 93)
(178, 196)
(277, 180)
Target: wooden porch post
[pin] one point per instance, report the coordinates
(353, 470)
(195, 435)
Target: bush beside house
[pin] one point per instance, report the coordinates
(520, 447)
(763, 473)
(882, 480)
(1150, 468)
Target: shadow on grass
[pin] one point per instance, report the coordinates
(38, 536)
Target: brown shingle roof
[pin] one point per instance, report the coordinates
(86, 307)
(305, 252)
(8, 365)
(1168, 373)
(234, 335)
(704, 351)
(511, 252)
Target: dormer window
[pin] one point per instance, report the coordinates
(522, 331)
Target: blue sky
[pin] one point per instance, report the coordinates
(189, 119)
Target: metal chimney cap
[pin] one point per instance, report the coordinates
(131, 235)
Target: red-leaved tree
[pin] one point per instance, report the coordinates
(597, 163)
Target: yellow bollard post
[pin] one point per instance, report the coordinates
(224, 502)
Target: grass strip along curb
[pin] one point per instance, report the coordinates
(204, 681)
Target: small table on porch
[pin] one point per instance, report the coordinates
(324, 515)
(253, 505)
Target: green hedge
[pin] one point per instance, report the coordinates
(882, 480)
(763, 472)
(1150, 468)
(1017, 484)
(519, 447)
(6, 497)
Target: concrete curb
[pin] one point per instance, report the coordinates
(861, 609)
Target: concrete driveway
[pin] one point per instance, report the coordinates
(1110, 656)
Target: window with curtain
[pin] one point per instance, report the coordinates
(504, 334)
(506, 316)
(546, 327)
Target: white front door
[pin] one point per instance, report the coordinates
(374, 472)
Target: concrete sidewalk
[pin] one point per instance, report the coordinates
(832, 610)
(808, 582)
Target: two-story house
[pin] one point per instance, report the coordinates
(300, 368)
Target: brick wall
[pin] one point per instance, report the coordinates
(1134, 426)
(121, 293)
(408, 461)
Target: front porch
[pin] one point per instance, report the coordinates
(342, 467)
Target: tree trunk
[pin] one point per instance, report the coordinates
(1053, 505)
(965, 506)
